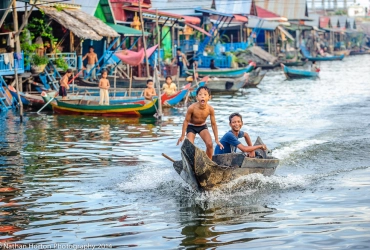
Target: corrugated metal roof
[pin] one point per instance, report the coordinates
(324, 22)
(264, 24)
(291, 9)
(342, 21)
(334, 21)
(263, 13)
(234, 7)
(180, 7)
(315, 21)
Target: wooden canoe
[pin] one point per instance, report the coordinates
(86, 107)
(223, 72)
(342, 52)
(298, 74)
(203, 174)
(227, 85)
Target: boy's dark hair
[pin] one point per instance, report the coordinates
(148, 81)
(235, 114)
(205, 88)
(168, 77)
(178, 49)
(69, 71)
(313, 62)
(103, 71)
(91, 47)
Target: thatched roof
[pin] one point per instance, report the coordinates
(80, 23)
(92, 22)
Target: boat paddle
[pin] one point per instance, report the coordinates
(43, 93)
(169, 158)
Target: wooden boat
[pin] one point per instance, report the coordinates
(342, 52)
(137, 82)
(307, 55)
(204, 174)
(254, 79)
(267, 65)
(86, 107)
(294, 64)
(363, 52)
(297, 74)
(35, 100)
(223, 72)
(227, 85)
(121, 95)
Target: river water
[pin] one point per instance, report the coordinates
(74, 181)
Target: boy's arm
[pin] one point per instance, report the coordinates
(251, 148)
(100, 83)
(96, 60)
(247, 139)
(83, 58)
(214, 126)
(147, 95)
(185, 124)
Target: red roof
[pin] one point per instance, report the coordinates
(263, 13)
(324, 22)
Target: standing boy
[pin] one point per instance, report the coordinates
(180, 60)
(195, 121)
(149, 91)
(64, 84)
(104, 86)
(92, 59)
(230, 139)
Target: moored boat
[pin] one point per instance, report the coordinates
(307, 55)
(342, 52)
(86, 107)
(297, 74)
(238, 72)
(204, 174)
(227, 85)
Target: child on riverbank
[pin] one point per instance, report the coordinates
(195, 121)
(104, 86)
(64, 84)
(230, 139)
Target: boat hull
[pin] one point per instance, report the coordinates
(227, 85)
(203, 174)
(80, 107)
(223, 72)
(298, 74)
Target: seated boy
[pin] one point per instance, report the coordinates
(230, 139)
(195, 121)
(149, 92)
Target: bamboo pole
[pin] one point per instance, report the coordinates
(115, 80)
(144, 40)
(159, 65)
(18, 50)
(129, 90)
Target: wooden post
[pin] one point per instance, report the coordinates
(129, 90)
(144, 39)
(17, 50)
(159, 65)
(71, 41)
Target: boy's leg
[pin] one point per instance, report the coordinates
(106, 97)
(206, 136)
(101, 97)
(191, 137)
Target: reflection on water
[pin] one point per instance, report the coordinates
(95, 180)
